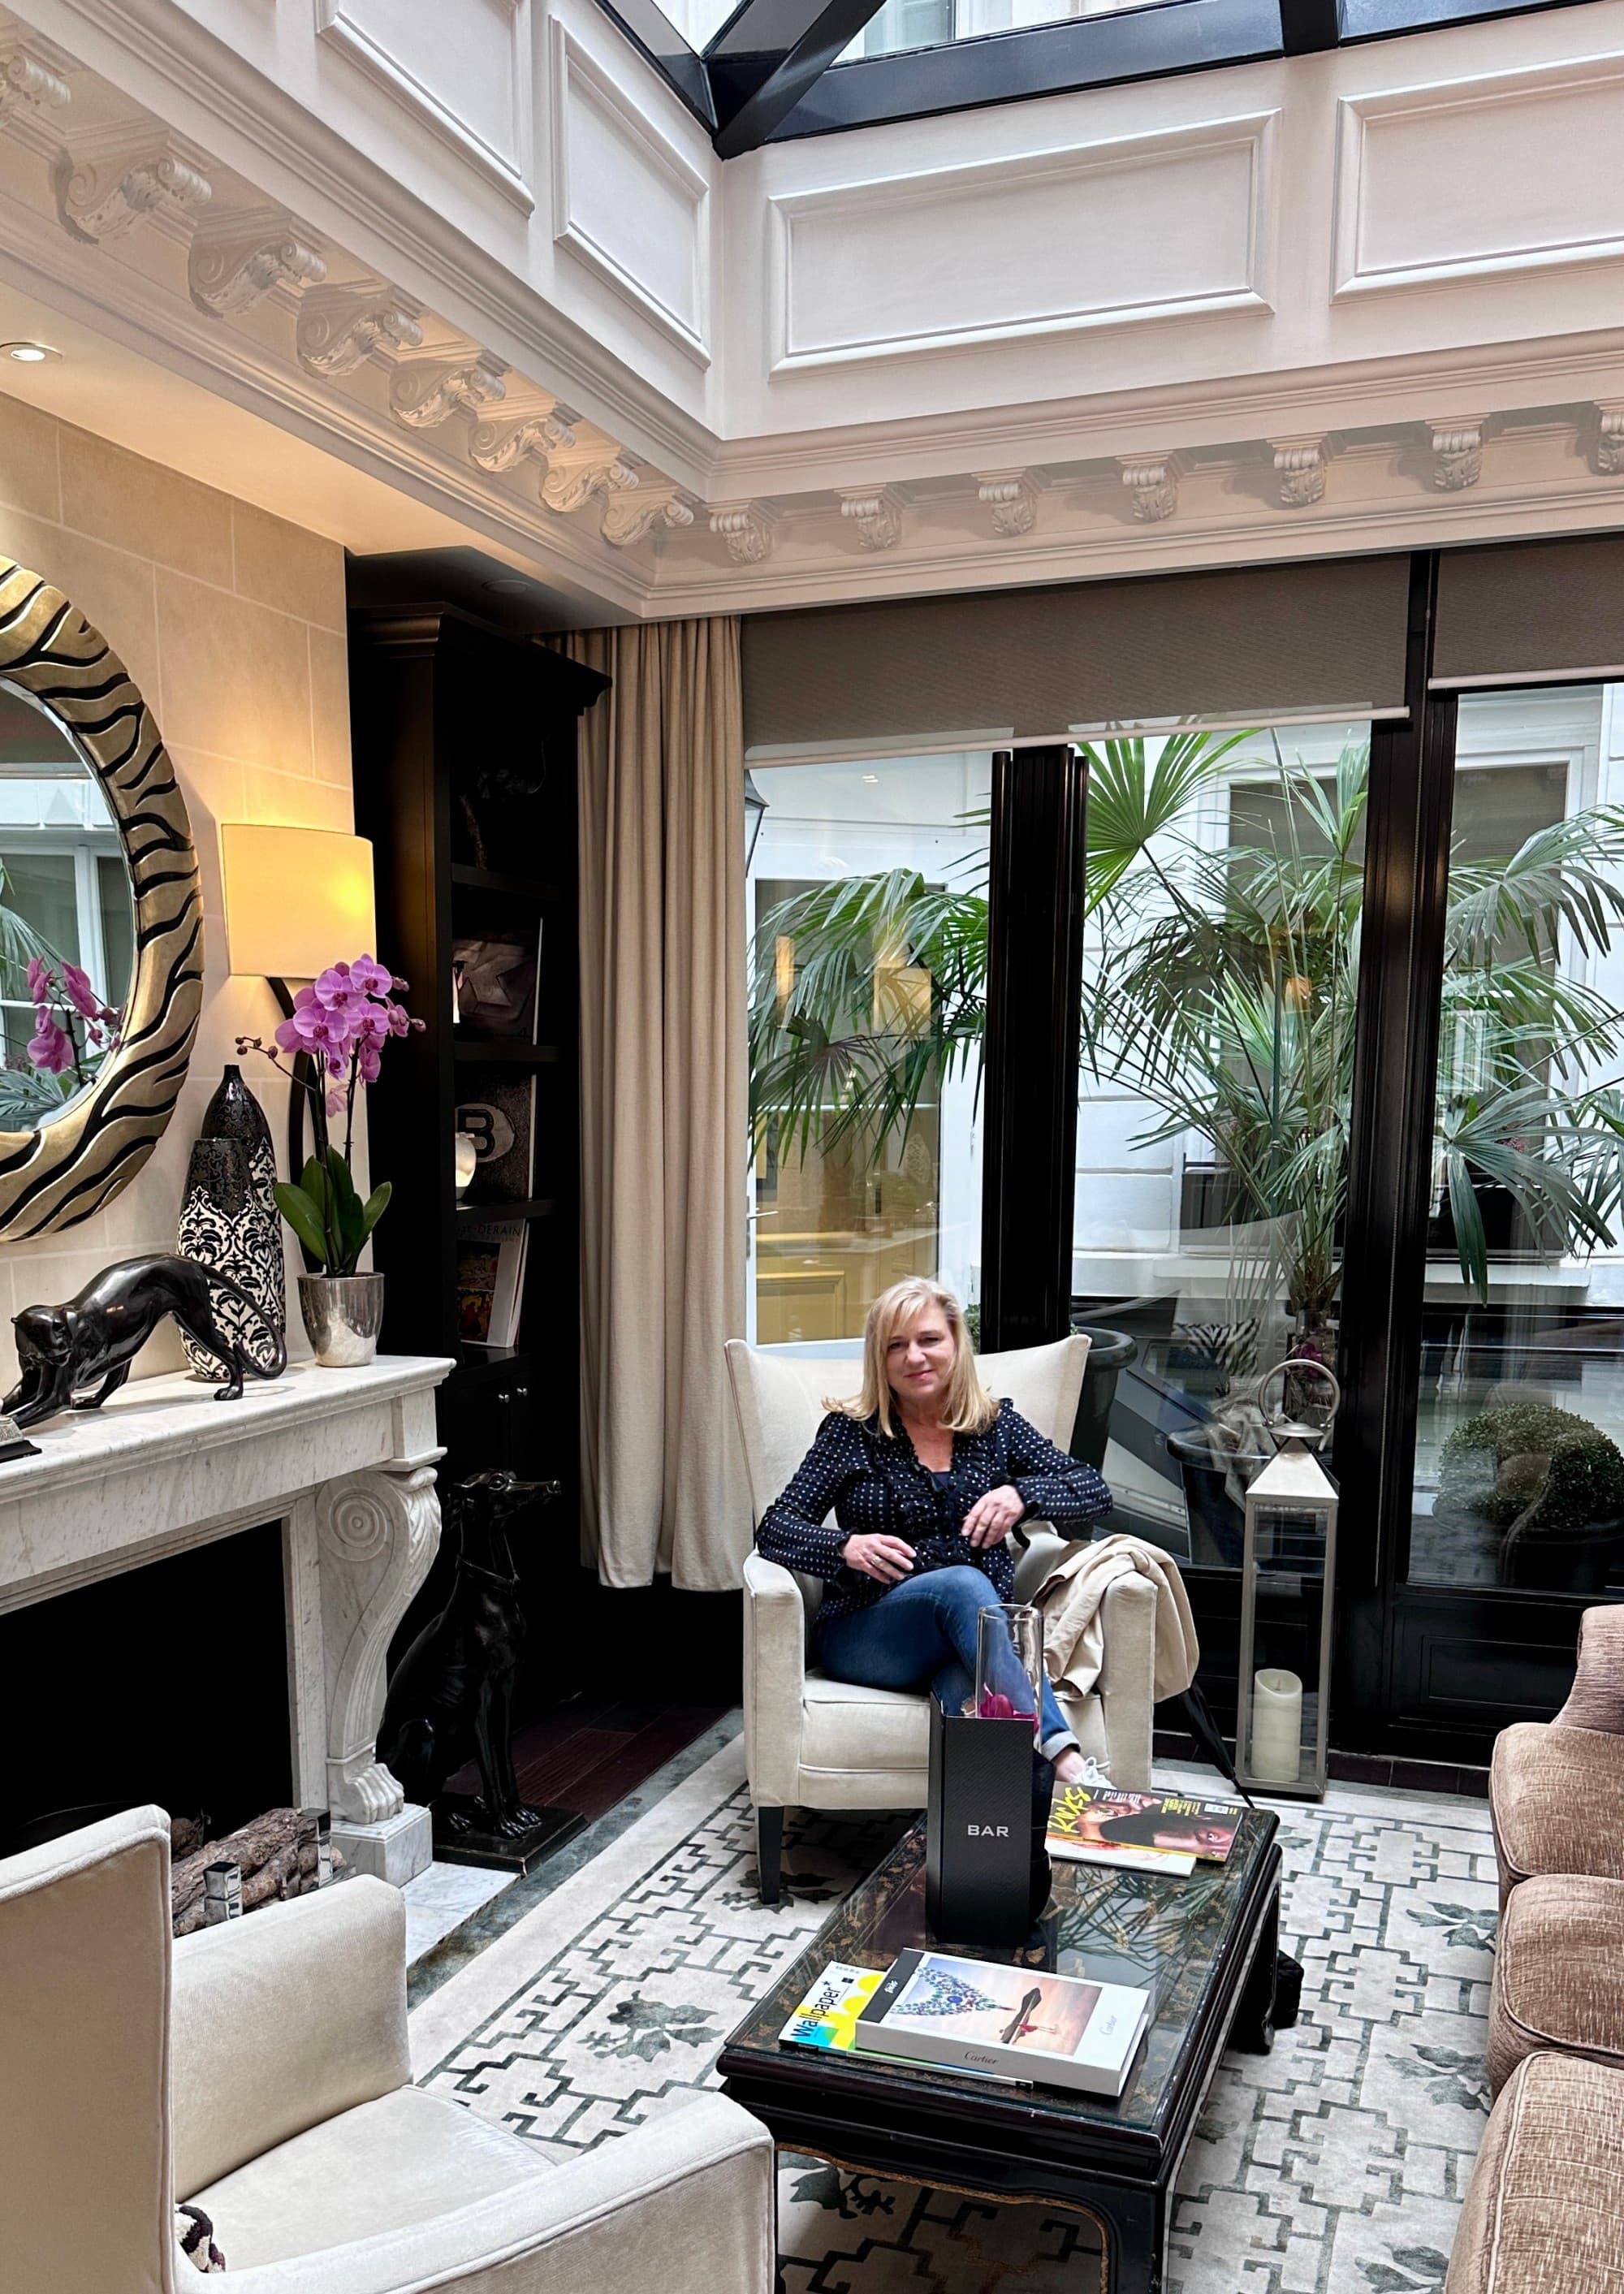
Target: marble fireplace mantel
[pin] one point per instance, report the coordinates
(344, 1458)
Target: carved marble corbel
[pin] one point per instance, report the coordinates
(1299, 468)
(1011, 496)
(1610, 438)
(1457, 451)
(430, 391)
(230, 269)
(105, 189)
(496, 446)
(629, 518)
(876, 512)
(340, 330)
(378, 1533)
(746, 530)
(574, 474)
(30, 84)
(1153, 481)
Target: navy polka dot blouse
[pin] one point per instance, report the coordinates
(874, 1483)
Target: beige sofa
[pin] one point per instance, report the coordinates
(1545, 2211)
(261, 2069)
(810, 1741)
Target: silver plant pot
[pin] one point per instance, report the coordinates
(343, 1315)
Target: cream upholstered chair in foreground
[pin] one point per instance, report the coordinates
(810, 1741)
(261, 2069)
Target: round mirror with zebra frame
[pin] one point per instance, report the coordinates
(100, 916)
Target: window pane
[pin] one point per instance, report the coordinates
(1519, 1477)
(1225, 883)
(902, 24)
(868, 911)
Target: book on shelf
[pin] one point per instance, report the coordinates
(501, 1122)
(490, 1282)
(494, 982)
(1012, 2022)
(1140, 1831)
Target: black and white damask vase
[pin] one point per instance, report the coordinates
(229, 1219)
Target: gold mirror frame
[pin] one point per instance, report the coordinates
(72, 1167)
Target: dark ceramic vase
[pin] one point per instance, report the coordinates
(229, 1220)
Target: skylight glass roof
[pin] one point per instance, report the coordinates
(904, 24)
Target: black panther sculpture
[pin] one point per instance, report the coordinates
(451, 1699)
(94, 1338)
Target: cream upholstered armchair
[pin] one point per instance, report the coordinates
(261, 2069)
(810, 1741)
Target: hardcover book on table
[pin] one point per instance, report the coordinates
(1013, 2022)
(1140, 1832)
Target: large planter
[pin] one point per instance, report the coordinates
(1108, 1354)
(343, 1315)
(1216, 1482)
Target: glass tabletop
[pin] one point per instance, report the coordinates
(1177, 1936)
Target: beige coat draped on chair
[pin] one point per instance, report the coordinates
(1072, 1598)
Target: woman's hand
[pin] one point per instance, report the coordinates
(991, 1518)
(887, 1559)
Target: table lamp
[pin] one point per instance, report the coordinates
(296, 899)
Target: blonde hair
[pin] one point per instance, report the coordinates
(969, 1408)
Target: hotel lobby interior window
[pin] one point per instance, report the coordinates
(1225, 885)
(868, 920)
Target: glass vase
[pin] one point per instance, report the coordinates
(1009, 1663)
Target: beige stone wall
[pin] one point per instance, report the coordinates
(231, 623)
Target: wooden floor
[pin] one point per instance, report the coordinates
(589, 1753)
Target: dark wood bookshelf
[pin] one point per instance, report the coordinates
(489, 880)
(478, 1049)
(533, 1207)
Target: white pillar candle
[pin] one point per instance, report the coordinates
(1277, 1726)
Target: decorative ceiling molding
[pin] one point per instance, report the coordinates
(232, 268)
(32, 87)
(1011, 496)
(577, 472)
(495, 445)
(1457, 451)
(1299, 468)
(876, 512)
(744, 531)
(424, 393)
(630, 517)
(1153, 481)
(1610, 438)
(339, 328)
(102, 193)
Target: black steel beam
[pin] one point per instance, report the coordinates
(1307, 26)
(768, 56)
(1033, 1027)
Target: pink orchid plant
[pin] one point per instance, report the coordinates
(73, 1028)
(339, 1024)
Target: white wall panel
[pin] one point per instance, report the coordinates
(1145, 228)
(625, 201)
(461, 66)
(1469, 178)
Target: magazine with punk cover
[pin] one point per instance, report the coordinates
(1142, 1832)
(1013, 2022)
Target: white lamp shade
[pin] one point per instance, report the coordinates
(296, 899)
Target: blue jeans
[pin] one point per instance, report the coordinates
(921, 1634)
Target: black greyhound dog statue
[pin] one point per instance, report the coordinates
(451, 1699)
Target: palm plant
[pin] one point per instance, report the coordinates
(1221, 989)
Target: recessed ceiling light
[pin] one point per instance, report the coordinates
(30, 354)
(873, 779)
(512, 585)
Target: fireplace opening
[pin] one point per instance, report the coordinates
(166, 1683)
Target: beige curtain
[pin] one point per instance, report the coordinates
(663, 1114)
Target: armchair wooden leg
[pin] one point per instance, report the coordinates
(769, 1852)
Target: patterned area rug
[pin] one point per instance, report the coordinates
(1335, 2166)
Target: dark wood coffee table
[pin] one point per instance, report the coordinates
(1204, 1946)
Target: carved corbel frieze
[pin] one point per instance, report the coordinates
(1610, 438)
(31, 87)
(577, 472)
(1011, 496)
(102, 194)
(497, 446)
(1457, 451)
(429, 391)
(338, 331)
(1299, 468)
(876, 512)
(629, 518)
(378, 1533)
(746, 530)
(231, 269)
(1153, 481)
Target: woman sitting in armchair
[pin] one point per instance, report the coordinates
(926, 1475)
